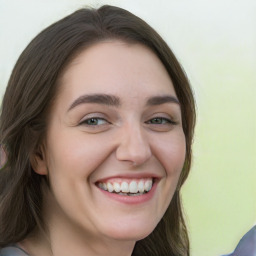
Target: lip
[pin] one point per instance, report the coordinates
(131, 199)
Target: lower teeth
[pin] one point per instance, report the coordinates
(130, 194)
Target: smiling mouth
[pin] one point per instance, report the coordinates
(134, 187)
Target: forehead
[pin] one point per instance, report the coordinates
(116, 67)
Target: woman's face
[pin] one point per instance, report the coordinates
(115, 146)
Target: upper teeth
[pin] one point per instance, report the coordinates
(134, 186)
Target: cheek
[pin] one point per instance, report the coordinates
(76, 156)
(172, 153)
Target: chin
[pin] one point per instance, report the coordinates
(130, 232)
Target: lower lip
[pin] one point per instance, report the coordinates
(131, 199)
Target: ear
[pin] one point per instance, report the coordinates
(38, 161)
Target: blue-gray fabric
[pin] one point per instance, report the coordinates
(247, 245)
(12, 251)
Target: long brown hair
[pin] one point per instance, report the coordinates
(28, 99)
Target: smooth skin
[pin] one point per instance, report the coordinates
(116, 115)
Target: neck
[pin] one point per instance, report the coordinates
(65, 238)
(66, 245)
(65, 241)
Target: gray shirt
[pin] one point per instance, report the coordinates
(247, 245)
(12, 251)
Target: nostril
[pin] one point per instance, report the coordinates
(133, 145)
(135, 156)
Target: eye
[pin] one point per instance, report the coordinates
(161, 124)
(94, 121)
(160, 120)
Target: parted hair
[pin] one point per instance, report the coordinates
(31, 92)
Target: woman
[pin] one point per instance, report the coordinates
(97, 123)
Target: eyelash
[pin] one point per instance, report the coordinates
(87, 121)
(164, 121)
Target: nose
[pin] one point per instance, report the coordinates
(133, 146)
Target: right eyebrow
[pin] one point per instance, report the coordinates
(104, 99)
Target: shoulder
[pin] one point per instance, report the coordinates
(12, 251)
(247, 245)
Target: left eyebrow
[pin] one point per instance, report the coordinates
(158, 100)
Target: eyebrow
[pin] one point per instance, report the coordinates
(104, 99)
(111, 100)
(158, 100)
